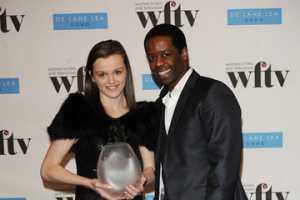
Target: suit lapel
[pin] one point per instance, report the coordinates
(160, 142)
(184, 96)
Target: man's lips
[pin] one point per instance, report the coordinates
(164, 72)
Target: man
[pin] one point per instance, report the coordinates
(199, 147)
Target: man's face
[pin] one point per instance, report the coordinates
(167, 64)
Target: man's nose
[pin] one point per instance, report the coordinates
(159, 61)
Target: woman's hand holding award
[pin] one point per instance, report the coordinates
(119, 167)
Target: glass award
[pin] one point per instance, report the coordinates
(118, 166)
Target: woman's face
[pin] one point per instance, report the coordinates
(109, 74)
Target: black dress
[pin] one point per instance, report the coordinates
(84, 118)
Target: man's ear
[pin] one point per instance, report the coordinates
(185, 54)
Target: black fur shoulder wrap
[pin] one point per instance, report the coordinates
(80, 116)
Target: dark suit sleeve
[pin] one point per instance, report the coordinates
(222, 119)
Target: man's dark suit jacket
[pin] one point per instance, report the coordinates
(201, 154)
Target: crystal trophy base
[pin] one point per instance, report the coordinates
(118, 166)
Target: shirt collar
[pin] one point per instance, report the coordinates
(175, 93)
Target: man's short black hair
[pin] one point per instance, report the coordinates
(169, 30)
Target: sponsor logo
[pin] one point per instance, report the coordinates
(170, 13)
(264, 191)
(9, 145)
(149, 196)
(64, 196)
(10, 22)
(254, 16)
(148, 82)
(259, 75)
(263, 140)
(75, 21)
(67, 78)
(9, 86)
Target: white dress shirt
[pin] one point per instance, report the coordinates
(170, 100)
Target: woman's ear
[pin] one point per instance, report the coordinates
(92, 78)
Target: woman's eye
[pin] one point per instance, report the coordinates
(101, 75)
(119, 72)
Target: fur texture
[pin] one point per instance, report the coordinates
(81, 117)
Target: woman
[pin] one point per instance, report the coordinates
(105, 113)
